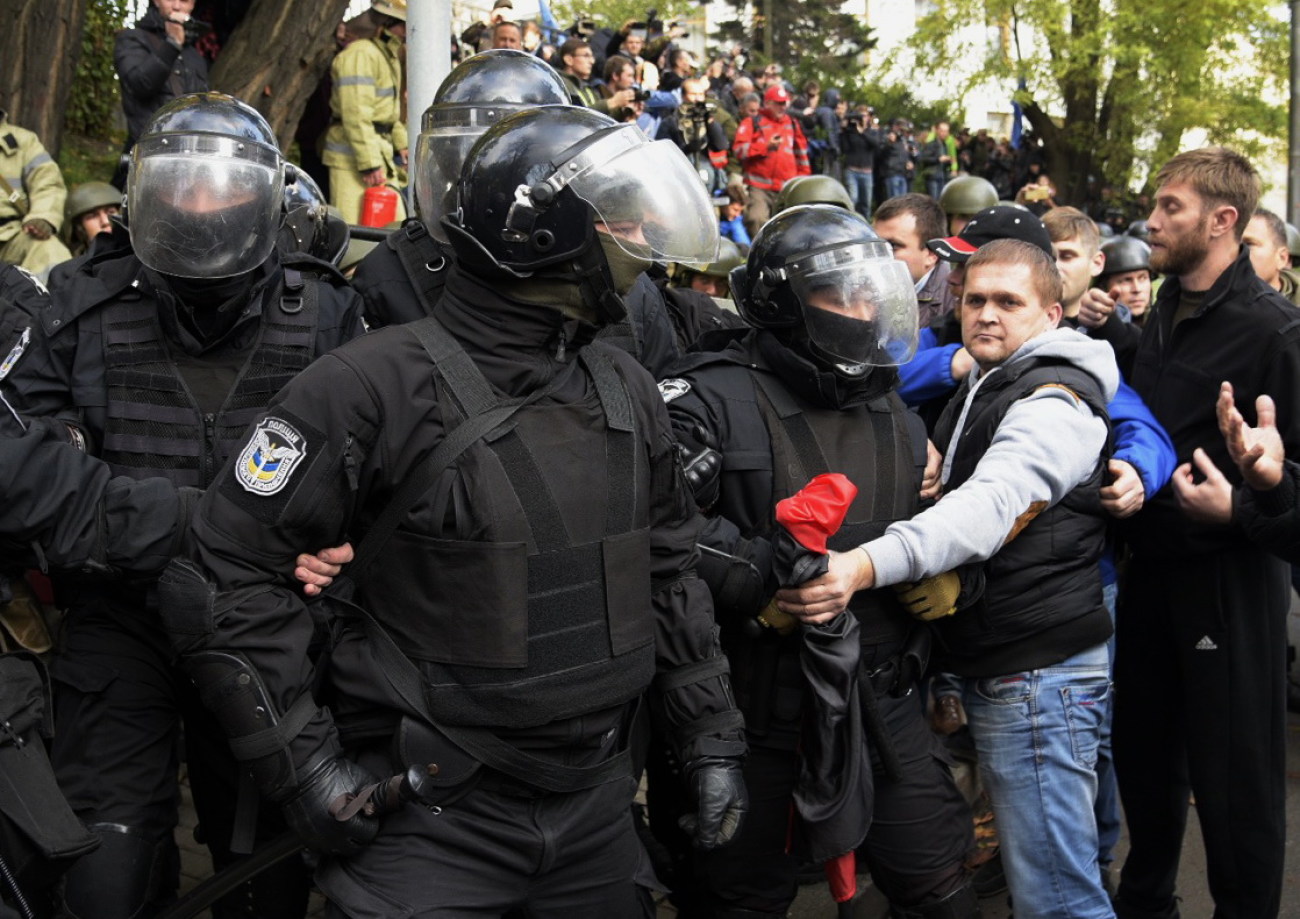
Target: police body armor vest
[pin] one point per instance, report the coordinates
(153, 424)
(872, 446)
(422, 260)
(1048, 573)
(529, 623)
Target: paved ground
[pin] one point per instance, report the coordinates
(814, 900)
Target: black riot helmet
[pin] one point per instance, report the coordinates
(205, 188)
(538, 186)
(478, 93)
(301, 190)
(1125, 253)
(309, 225)
(820, 274)
(1138, 229)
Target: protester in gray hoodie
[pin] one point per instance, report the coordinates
(1025, 442)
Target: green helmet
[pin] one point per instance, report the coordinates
(817, 189)
(89, 196)
(967, 195)
(729, 256)
(1293, 241)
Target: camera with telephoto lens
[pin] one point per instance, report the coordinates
(698, 111)
(195, 29)
(639, 93)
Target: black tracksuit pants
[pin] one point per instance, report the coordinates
(1200, 677)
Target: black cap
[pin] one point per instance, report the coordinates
(1002, 221)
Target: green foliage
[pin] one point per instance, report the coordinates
(1133, 77)
(94, 98)
(896, 100)
(87, 159)
(811, 39)
(613, 13)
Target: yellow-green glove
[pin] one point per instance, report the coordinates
(930, 598)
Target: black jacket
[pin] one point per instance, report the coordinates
(386, 414)
(1246, 333)
(153, 71)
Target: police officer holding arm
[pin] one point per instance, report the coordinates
(539, 576)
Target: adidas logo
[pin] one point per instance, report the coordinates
(1206, 645)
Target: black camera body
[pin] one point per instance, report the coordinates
(698, 111)
(640, 93)
(195, 29)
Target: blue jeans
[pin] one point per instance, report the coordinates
(895, 186)
(1107, 807)
(934, 185)
(859, 184)
(1037, 734)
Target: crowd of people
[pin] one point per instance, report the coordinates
(692, 431)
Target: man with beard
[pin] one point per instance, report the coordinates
(1201, 659)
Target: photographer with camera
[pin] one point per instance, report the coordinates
(156, 62)
(620, 79)
(896, 158)
(859, 142)
(698, 127)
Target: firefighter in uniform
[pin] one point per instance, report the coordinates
(525, 538)
(402, 279)
(31, 202)
(366, 140)
(156, 356)
(810, 390)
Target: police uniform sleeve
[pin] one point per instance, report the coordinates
(64, 509)
(692, 691)
(230, 605)
(737, 569)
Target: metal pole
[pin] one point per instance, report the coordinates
(428, 57)
(1293, 172)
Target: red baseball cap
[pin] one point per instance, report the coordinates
(776, 93)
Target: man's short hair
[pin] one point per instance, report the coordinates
(1064, 223)
(615, 65)
(1220, 176)
(571, 47)
(1276, 228)
(751, 97)
(742, 83)
(931, 222)
(1046, 279)
(506, 24)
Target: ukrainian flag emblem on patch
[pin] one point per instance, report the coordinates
(274, 451)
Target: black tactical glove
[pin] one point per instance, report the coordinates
(327, 786)
(721, 801)
(702, 464)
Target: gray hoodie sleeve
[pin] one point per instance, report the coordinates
(1047, 444)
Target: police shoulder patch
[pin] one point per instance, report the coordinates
(274, 451)
(23, 341)
(673, 389)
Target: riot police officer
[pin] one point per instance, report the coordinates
(155, 356)
(809, 390)
(402, 279)
(526, 540)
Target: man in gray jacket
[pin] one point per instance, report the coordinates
(1025, 443)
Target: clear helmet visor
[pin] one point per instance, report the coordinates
(446, 136)
(204, 206)
(647, 196)
(861, 312)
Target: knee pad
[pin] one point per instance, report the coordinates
(131, 874)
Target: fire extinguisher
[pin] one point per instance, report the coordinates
(379, 206)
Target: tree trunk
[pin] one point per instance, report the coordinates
(276, 57)
(39, 50)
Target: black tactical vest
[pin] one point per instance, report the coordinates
(872, 446)
(153, 424)
(1048, 574)
(524, 622)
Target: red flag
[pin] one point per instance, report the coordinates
(818, 509)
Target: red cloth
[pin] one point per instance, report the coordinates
(842, 877)
(817, 510)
